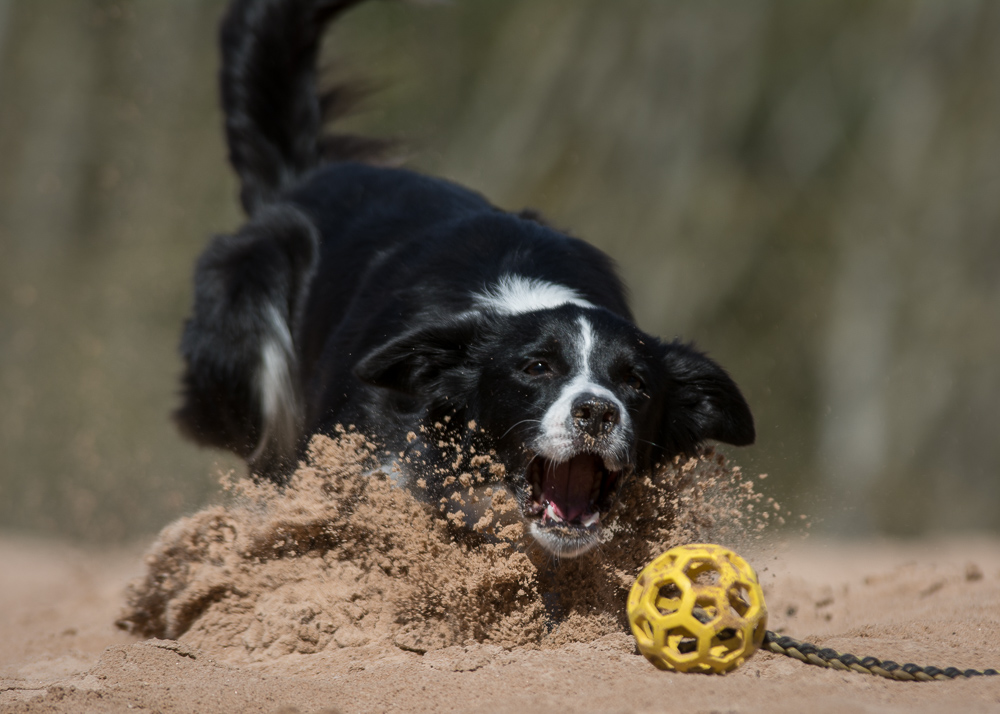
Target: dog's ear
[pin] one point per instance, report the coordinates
(703, 402)
(415, 361)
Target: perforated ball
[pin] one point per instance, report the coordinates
(698, 608)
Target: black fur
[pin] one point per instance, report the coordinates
(386, 299)
(274, 114)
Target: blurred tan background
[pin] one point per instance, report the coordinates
(809, 191)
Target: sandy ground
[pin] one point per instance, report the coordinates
(932, 602)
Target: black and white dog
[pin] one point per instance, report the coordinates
(381, 298)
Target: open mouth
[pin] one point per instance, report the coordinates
(571, 494)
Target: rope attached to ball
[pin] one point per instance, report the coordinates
(830, 658)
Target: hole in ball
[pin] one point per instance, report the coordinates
(682, 640)
(739, 599)
(668, 599)
(702, 573)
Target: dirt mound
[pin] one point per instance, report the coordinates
(342, 559)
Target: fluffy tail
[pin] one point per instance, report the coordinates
(274, 112)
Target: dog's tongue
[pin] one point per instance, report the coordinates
(567, 486)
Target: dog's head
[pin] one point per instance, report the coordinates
(573, 399)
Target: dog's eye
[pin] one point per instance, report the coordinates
(633, 381)
(537, 368)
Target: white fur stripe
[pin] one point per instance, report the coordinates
(278, 397)
(586, 345)
(516, 294)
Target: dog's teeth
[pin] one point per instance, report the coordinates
(550, 511)
(591, 519)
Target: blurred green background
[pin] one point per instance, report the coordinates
(809, 191)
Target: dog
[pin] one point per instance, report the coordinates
(367, 295)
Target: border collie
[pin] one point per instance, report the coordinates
(358, 294)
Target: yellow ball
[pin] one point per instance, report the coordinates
(698, 608)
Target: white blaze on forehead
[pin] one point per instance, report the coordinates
(583, 380)
(557, 437)
(516, 294)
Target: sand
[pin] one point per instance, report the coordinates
(347, 594)
(342, 563)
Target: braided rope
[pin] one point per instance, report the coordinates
(826, 657)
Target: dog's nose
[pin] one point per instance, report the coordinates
(594, 415)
